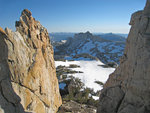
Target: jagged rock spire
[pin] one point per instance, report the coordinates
(27, 69)
(26, 12)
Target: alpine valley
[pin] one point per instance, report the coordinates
(83, 63)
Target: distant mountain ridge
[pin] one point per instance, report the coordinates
(112, 37)
(87, 43)
(58, 36)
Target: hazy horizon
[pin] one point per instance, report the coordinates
(90, 32)
(96, 16)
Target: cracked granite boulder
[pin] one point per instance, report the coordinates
(28, 80)
(128, 89)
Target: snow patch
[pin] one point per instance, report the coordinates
(91, 72)
(95, 97)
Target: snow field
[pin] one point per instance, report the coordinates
(91, 72)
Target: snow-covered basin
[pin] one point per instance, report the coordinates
(91, 72)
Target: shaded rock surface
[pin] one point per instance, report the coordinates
(28, 80)
(127, 89)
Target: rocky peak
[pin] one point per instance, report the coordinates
(32, 31)
(26, 12)
(27, 69)
(88, 32)
(85, 35)
(127, 89)
(147, 8)
(2, 31)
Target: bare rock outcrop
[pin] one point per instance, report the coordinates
(74, 107)
(128, 88)
(28, 80)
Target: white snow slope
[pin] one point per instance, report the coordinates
(91, 72)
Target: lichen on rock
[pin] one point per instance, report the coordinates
(27, 69)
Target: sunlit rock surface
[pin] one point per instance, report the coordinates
(28, 80)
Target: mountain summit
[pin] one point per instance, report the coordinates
(87, 44)
(127, 89)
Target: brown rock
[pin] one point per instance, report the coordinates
(2, 31)
(131, 80)
(27, 68)
(74, 107)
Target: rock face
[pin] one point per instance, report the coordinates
(128, 88)
(28, 80)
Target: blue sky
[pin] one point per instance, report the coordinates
(73, 15)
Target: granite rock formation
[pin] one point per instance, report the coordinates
(28, 80)
(128, 88)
